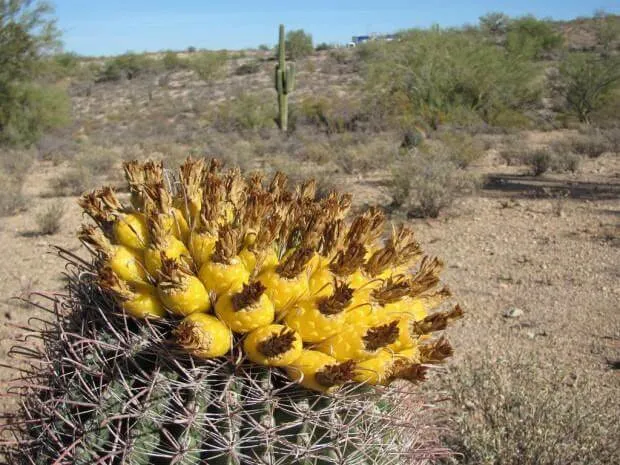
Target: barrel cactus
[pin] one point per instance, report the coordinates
(225, 320)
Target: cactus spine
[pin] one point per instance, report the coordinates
(284, 81)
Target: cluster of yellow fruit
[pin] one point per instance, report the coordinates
(299, 286)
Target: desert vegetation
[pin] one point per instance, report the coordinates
(498, 143)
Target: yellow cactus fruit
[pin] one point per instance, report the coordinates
(131, 230)
(125, 262)
(287, 282)
(138, 301)
(375, 370)
(204, 336)
(411, 329)
(201, 246)
(261, 232)
(273, 345)
(225, 270)
(247, 309)
(319, 372)
(125, 227)
(163, 243)
(180, 290)
(360, 342)
(317, 319)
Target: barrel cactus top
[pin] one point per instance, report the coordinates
(229, 320)
(282, 273)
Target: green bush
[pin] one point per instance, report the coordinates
(330, 114)
(530, 37)
(172, 61)
(29, 109)
(28, 36)
(251, 67)
(298, 44)
(209, 66)
(245, 112)
(126, 66)
(438, 75)
(586, 81)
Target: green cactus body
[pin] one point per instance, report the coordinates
(284, 81)
(132, 411)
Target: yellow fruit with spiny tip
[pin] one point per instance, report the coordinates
(125, 262)
(181, 291)
(144, 305)
(283, 292)
(245, 309)
(204, 335)
(140, 301)
(273, 345)
(375, 370)
(249, 259)
(360, 342)
(131, 230)
(317, 319)
(319, 372)
(201, 246)
(171, 247)
(220, 277)
(321, 282)
(406, 308)
(224, 270)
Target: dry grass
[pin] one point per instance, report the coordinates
(425, 183)
(14, 166)
(49, 220)
(518, 412)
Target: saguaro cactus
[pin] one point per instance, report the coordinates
(285, 81)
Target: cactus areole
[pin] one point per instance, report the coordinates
(295, 337)
(284, 81)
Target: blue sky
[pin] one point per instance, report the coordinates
(104, 27)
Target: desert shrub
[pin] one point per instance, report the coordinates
(27, 106)
(12, 199)
(73, 182)
(568, 162)
(530, 37)
(298, 44)
(494, 24)
(333, 115)
(411, 137)
(251, 67)
(511, 412)
(50, 219)
(363, 154)
(462, 148)
(591, 143)
(442, 75)
(613, 136)
(209, 66)
(427, 182)
(539, 160)
(27, 110)
(586, 82)
(244, 112)
(323, 46)
(264, 47)
(97, 160)
(126, 66)
(171, 61)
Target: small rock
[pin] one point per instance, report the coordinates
(512, 312)
(531, 335)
